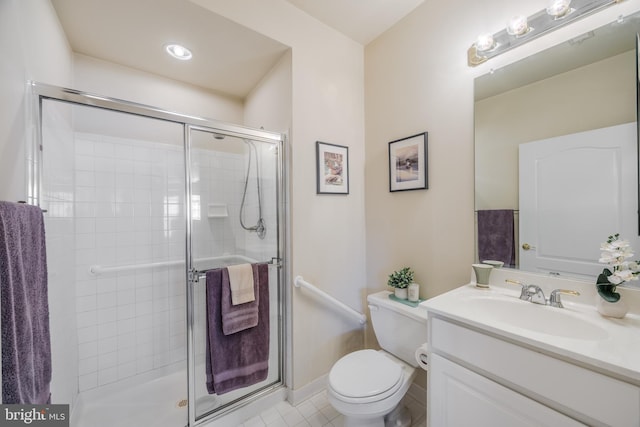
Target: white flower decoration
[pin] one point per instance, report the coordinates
(615, 253)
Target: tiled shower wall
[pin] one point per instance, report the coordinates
(219, 179)
(129, 211)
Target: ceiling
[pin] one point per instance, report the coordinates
(360, 20)
(227, 58)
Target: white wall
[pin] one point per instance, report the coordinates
(417, 79)
(116, 81)
(33, 47)
(269, 103)
(327, 236)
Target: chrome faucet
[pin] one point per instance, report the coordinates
(554, 298)
(534, 294)
(531, 293)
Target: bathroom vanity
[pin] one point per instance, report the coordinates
(496, 360)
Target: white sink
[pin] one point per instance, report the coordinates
(559, 322)
(576, 332)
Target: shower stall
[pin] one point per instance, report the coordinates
(140, 203)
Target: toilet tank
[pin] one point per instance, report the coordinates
(399, 328)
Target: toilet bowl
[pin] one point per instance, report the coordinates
(366, 385)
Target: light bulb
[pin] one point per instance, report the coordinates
(178, 51)
(518, 26)
(484, 42)
(558, 8)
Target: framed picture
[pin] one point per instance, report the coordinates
(332, 168)
(408, 163)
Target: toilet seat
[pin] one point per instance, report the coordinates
(365, 376)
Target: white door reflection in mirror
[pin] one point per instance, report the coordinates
(574, 191)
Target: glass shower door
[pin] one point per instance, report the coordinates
(234, 222)
(113, 189)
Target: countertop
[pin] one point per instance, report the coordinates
(614, 348)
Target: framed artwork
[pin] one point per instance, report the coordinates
(408, 163)
(332, 165)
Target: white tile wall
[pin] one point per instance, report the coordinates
(129, 198)
(128, 322)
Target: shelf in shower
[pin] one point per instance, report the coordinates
(217, 210)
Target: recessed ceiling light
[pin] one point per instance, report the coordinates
(178, 51)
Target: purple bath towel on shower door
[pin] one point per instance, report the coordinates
(26, 346)
(241, 359)
(496, 236)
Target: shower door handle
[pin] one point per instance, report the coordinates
(193, 276)
(276, 262)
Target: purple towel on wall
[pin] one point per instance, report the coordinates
(26, 345)
(241, 359)
(236, 318)
(496, 236)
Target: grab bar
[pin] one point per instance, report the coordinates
(99, 269)
(300, 282)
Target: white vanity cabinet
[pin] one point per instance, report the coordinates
(462, 397)
(479, 378)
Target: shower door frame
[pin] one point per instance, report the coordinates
(40, 91)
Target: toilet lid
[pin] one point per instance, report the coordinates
(364, 373)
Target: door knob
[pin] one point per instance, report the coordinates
(526, 246)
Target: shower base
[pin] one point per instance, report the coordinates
(160, 402)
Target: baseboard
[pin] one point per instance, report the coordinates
(418, 393)
(298, 396)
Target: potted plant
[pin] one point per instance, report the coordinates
(615, 253)
(400, 280)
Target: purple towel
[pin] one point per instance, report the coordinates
(496, 237)
(242, 359)
(26, 346)
(236, 318)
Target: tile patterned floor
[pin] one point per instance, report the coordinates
(317, 412)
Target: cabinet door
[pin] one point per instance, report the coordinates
(459, 397)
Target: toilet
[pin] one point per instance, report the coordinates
(366, 385)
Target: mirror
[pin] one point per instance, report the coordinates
(583, 84)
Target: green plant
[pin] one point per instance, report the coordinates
(401, 278)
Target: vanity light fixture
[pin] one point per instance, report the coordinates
(178, 51)
(521, 29)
